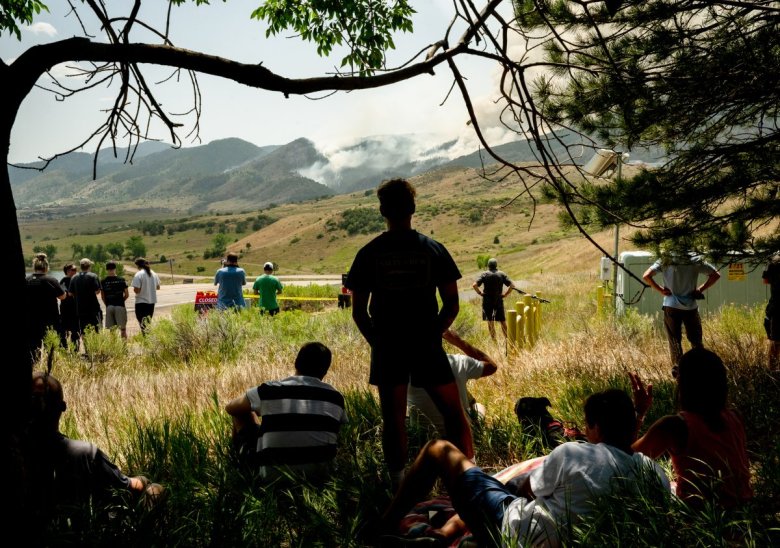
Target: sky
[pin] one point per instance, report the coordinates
(45, 126)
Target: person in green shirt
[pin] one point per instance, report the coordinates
(268, 287)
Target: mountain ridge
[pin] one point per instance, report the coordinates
(228, 175)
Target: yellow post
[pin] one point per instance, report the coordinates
(511, 329)
(538, 319)
(528, 315)
(600, 300)
(521, 319)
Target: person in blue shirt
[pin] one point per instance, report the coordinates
(231, 281)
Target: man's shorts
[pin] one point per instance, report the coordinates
(772, 323)
(402, 361)
(493, 310)
(116, 315)
(480, 500)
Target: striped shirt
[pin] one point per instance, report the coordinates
(300, 419)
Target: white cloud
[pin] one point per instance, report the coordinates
(42, 28)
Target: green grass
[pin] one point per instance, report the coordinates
(156, 406)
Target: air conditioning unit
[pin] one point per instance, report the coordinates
(605, 272)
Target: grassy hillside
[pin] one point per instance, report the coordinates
(472, 216)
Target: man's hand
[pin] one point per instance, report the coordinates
(643, 394)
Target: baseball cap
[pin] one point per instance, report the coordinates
(268, 266)
(85, 262)
(492, 264)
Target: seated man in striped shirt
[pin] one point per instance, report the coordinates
(289, 428)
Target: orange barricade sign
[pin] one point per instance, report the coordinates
(205, 300)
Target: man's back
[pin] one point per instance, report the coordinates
(401, 270)
(230, 280)
(84, 287)
(114, 290)
(571, 478)
(268, 286)
(301, 417)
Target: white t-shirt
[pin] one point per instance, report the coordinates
(463, 368)
(148, 285)
(572, 476)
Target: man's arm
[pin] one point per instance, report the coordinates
(360, 314)
(240, 409)
(510, 287)
(125, 294)
(710, 281)
(450, 305)
(488, 365)
(475, 285)
(648, 277)
(667, 434)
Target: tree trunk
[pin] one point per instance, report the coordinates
(17, 378)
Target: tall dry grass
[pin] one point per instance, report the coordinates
(155, 405)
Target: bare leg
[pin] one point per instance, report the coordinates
(438, 459)
(503, 328)
(447, 400)
(392, 400)
(492, 330)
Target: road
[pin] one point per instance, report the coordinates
(180, 293)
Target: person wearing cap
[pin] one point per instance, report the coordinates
(85, 287)
(268, 287)
(490, 286)
(114, 293)
(145, 285)
(231, 280)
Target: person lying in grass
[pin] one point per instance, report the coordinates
(290, 426)
(72, 476)
(705, 440)
(564, 486)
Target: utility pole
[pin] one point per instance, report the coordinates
(170, 262)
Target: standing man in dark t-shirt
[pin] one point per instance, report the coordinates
(85, 287)
(492, 283)
(69, 314)
(771, 277)
(114, 293)
(399, 273)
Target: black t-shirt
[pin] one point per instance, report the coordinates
(402, 270)
(84, 287)
(71, 472)
(493, 282)
(772, 276)
(114, 290)
(42, 293)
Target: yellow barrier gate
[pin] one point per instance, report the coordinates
(524, 323)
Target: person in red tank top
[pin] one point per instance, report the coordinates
(705, 440)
